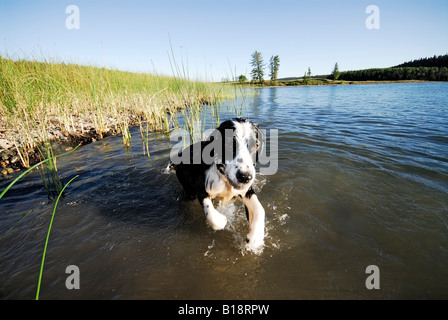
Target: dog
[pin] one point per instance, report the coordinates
(223, 167)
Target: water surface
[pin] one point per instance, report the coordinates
(362, 180)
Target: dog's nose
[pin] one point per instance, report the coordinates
(243, 177)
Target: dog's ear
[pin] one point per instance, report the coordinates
(228, 147)
(228, 124)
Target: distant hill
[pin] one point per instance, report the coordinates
(436, 61)
(431, 69)
(426, 69)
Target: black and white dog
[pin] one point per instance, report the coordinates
(223, 167)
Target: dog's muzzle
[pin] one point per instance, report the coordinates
(243, 177)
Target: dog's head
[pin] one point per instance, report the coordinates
(241, 142)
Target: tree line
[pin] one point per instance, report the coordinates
(397, 74)
(436, 61)
(428, 69)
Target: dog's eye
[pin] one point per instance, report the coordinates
(221, 168)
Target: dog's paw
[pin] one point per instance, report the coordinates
(216, 220)
(255, 241)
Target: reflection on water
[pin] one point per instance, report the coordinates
(362, 180)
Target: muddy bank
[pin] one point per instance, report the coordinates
(12, 160)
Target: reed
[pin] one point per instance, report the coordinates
(48, 236)
(32, 168)
(144, 132)
(49, 159)
(72, 99)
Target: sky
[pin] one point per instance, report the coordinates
(213, 40)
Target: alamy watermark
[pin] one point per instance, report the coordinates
(73, 280)
(373, 20)
(182, 138)
(73, 21)
(373, 280)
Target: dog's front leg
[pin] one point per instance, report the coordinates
(214, 218)
(255, 237)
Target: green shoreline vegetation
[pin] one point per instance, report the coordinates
(46, 101)
(316, 81)
(422, 70)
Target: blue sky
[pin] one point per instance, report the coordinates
(215, 39)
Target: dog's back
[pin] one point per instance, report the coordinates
(191, 173)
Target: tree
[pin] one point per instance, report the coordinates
(242, 78)
(274, 64)
(257, 63)
(306, 77)
(335, 74)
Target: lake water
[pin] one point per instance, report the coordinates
(362, 180)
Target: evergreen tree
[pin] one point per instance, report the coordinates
(335, 74)
(305, 79)
(257, 63)
(274, 64)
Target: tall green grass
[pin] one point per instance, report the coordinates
(37, 96)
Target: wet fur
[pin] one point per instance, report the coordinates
(229, 176)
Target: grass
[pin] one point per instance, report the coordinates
(48, 237)
(60, 193)
(38, 98)
(32, 168)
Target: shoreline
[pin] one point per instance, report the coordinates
(326, 82)
(84, 131)
(11, 160)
